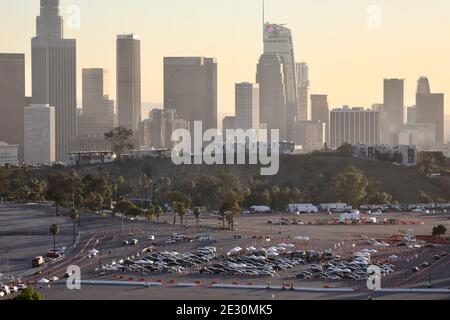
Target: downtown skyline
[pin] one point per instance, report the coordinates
(342, 54)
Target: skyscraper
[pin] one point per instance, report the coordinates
(272, 101)
(320, 112)
(247, 106)
(393, 110)
(423, 86)
(190, 87)
(98, 110)
(12, 100)
(40, 140)
(310, 135)
(128, 81)
(278, 40)
(430, 108)
(354, 126)
(54, 73)
(304, 112)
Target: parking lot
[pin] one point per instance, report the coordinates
(306, 255)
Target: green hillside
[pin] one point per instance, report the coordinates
(311, 172)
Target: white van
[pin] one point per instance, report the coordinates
(260, 209)
(303, 208)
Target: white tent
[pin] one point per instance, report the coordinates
(94, 252)
(43, 281)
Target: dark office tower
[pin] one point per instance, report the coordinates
(128, 81)
(278, 40)
(54, 73)
(430, 108)
(393, 109)
(320, 112)
(12, 100)
(272, 100)
(98, 110)
(190, 87)
(423, 86)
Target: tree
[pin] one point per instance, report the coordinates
(29, 294)
(149, 213)
(230, 208)
(120, 139)
(197, 213)
(350, 186)
(345, 149)
(54, 231)
(376, 196)
(58, 189)
(95, 202)
(422, 197)
(158, 213)
(119, 181)
(134, 212)
(74, 215)
(124, 207)
(439, 231)
(181, 210)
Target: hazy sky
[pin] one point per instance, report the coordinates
(347, 59)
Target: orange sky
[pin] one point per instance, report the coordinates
(347, 59)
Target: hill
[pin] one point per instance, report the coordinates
(311, 172)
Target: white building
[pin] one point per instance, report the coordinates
(40, 130)
(8, 153)
(354, 125)
(404, 155)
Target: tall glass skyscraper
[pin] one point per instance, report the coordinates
(278, 40)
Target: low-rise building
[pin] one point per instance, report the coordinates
(404, 155)
(9, 154)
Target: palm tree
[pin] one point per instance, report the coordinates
(149, 213)
(181, 210)
(158, 213)
(197, 213)
(174, 211)
(119, 181)
(54, 231)
(74, 215)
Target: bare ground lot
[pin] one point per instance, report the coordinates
(24, 234)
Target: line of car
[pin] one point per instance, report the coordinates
(251, 266)
(7, 290)
(426, 264)
(163, 262)
(343, 270)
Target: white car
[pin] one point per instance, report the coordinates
(151, 238)
(22, 286)
(2, 294)
(6, 290)
(14, 289)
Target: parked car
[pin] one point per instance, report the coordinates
(38, 262)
